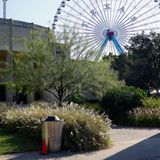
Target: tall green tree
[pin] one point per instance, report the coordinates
(58, 65)
(141, 66)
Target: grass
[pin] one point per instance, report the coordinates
(14, 143)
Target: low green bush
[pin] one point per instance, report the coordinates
(146, 117)
(118, 101)
(150, 102)
(78, 98)
(84, 129)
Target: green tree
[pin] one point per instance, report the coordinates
(141, 66)
(58, 65)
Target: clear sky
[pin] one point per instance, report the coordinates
(37, 11)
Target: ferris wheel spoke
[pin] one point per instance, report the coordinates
(91, 36)
(118, 13)
(112, 49)
(96, 12)
(114, 10)
(86, 19)
(102, 15)
(126, 15)
(125, 12)
(90, 25)
(146, 29)
(130, 35)
(109, 48)
(96, 48)
(88, 33)
(106, 10)
(142, 20)
(89, 28)
(144, 25)
(111, 13)
(143, 14)
(115, 50)
(90, 39)
(105, 14)
(124, 44)
(98, 54)
(130, 15)
(106, 50)
(126, 39)
(92, 17)
(70, 23)
(93, 45)
(78, 51)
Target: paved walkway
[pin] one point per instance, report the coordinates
(129, 144)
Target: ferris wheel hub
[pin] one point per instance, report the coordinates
(109, 32)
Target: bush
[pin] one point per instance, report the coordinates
(78, 98)
(146, 117)
(150, 102)
(84, 129)
(3, 108)
(118, 101)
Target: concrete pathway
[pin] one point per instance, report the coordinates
(129, 144)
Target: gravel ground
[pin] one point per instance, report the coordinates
(129, 144)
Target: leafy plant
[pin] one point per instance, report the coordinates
(150, 102)
(149, 117)
(118, 101)
(141, 66)
(78, 98)
(84, 129)
(3, 108)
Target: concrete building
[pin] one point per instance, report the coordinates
(11, 34)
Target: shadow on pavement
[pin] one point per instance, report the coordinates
(148, 149)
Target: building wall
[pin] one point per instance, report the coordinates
(12, 35)
(13, 32)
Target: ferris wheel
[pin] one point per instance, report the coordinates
(108, 25)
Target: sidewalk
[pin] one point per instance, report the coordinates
(129, 144)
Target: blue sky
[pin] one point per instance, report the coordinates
(37, 11)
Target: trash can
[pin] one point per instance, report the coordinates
(52, 133)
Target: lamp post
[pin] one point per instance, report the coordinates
(4, 9)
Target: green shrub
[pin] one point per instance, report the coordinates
(3, 108)
(84, 129)
(146, 117)
(78, 98)
(118, 101)
(150, 102)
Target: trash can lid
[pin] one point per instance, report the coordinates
(52, 118)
